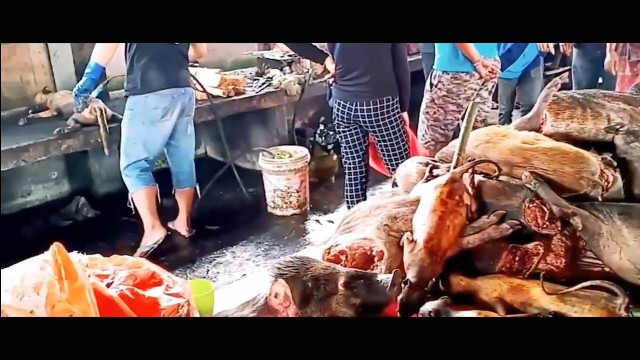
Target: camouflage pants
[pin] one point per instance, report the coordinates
(446, 97)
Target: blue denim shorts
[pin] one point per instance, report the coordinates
(156, 122)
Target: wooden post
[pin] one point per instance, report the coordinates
(62, 64)
(465, 131)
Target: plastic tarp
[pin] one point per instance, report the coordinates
(375, 160)
(58, 283)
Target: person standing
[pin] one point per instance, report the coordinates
(587, 66)
(462, 73)
(428, 54)
(623, 61)
(522, 75)
(371, 93)
(158, 117)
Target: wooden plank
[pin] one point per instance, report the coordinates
(16, 76)
(25, 71)
(41, 66)
(62, 65)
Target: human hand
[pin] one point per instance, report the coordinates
(611, 62)
(487, 69)
(405, 118)
(547, 47)
(566, 48)
(90, 79)
(330, 65)
(81, 95)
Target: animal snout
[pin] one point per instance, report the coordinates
(430, 313)
(410, 301)
(435, 308)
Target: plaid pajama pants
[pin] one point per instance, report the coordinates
(355, 120)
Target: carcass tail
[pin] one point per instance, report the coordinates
(622, 302)
(458, 172)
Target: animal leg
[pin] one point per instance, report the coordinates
(389, 232)
(534, 119)
(526, 315)
(484, 222)
(44, 115)
(493, 232)
(71, 128)
(561, 208)
(104, 128)
(392, 260)
(36, 109)
(496, 304)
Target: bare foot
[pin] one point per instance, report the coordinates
(182, 227)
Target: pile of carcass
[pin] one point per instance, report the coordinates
(531, 200)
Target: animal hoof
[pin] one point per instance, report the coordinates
(513, 224)
(608, 160)
(576, 222)
(60, 131)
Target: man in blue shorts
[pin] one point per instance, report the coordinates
(158, 117)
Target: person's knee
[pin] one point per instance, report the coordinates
(137, 173)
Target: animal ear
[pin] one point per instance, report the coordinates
(46, 90)
(281, 300)
(396, 281)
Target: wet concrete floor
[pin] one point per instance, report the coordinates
(235, 235)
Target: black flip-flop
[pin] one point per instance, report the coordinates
(186, 236)
(145, 250)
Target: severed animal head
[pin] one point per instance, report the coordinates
(418, 281)
(308, 287)
(43, 96)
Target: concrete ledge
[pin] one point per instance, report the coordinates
(35, 142)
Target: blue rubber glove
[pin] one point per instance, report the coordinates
(82, 91)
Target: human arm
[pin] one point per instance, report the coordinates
(566, 48)
(486, 68)
(197, 51)
(309, 51)
(611, 60)
(401, 71)
(547, 48)
(101, 56)
(315, 54)
(469, 51)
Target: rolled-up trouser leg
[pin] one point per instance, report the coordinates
(180, 149)
(148, 123)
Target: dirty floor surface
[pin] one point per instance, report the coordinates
(235, 235)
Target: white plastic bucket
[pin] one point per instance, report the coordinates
(286, 179)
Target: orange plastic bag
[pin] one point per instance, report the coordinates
(376, 162)
(51, 284)
(57, 283)
(130, 286)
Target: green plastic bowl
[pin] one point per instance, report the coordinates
(635, 313)
(203, 295)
